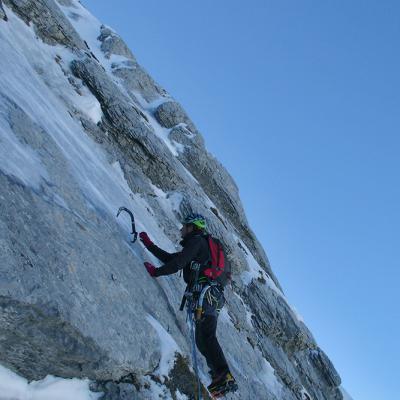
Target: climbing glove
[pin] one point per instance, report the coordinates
(151, 269)
(144, 238)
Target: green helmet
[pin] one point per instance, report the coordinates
(197, 220)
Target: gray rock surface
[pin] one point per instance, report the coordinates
(116, 391)
(138, 81)
(133, 76)
(66, 3)
(170, 114)
(49, 22)
(74, 300)
(43, 340)
(321, 377)
(273, 318)
(111, 43)
(3, 14)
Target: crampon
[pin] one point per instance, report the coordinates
(224, 388)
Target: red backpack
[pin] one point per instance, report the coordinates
(218, 267)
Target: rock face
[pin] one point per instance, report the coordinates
(170, 114)
(111, 44)
(134, 77)
(3, 14)
(48, 21)
(84, 130)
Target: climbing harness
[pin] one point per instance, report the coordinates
(134, 233)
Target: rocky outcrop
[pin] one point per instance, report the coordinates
(3, 14)
(137, 80)
(111, 43)
(66, 3)
(326, 368)
(274, 318)
(129, 124)
(49, 22)
(133, 76)
(170, 114)
(320, 376)
(44, 342)
(181, 134)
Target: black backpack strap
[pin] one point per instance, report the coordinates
(193, 284)
(183, 302)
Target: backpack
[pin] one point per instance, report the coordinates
(218, 268)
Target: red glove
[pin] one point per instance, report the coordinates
(151, 269)
(144, 238)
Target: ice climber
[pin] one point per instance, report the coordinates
(194, 260)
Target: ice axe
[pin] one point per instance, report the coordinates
(134, 233)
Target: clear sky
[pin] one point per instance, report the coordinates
(300, 100)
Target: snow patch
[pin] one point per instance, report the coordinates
(176, 199)
(255, 271)
(169, 202)
(168, 348)
(179, 147)
(19, 160)
(267, 377)
(225, 317)
(158, 192)
(121, 177)
(249, 314)
(89, 105)
(180, 396)
(14, 387)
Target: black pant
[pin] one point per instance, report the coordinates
(206, 328)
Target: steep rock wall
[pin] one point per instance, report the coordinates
(84, 130)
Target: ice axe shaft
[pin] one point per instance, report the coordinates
(134, 233)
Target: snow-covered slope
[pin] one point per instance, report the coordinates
(84, 130)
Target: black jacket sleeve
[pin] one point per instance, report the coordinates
(181, 259)
(161, 254)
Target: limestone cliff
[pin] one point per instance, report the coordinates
(84, 130)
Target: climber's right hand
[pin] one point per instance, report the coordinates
(144, 238)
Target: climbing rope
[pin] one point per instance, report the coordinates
(190, 316)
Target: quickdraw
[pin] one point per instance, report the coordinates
(134, 233)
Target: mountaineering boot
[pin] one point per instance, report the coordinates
(222, 384)
(217, 378)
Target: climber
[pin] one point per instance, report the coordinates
(196, 251)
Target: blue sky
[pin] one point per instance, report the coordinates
(300, 101)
